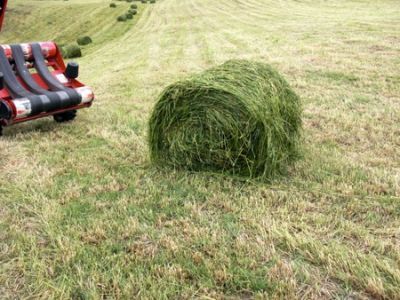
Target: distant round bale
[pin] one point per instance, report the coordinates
(113, 5)
(129, 16)
(134, 6)
(121, 18)
(71, 51)
(240, 118)
(84, 40)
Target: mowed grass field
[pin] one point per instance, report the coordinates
(84, 215)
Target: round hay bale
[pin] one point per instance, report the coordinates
(240, 118)
(121, 18)
(84, 40)
(71, 51)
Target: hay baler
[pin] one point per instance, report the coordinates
(36, 83)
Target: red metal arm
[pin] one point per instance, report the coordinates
(3, 6)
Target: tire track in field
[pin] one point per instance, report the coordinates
(240, 40)
(217, 43)
(191, 59)
(172, 39)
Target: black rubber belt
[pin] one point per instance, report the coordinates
(23, 72)
(53, 84)
(16, 89)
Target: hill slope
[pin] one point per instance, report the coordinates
(83, 214)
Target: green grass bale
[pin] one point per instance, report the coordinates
(240, 118)
(129, 16)
(71, 51)
(113, 5)
(134, 6)
(121, 18)
(84, 40)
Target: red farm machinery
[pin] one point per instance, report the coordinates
(36, 83)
